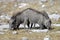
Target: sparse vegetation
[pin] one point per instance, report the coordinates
(10, 9)
(31, 36)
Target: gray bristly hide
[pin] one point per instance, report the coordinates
(38, 17)
(12, 23)
(22, 19)
(17, 19)
(32, 16)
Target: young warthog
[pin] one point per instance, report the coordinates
(37, 17)
(18, 19)
(32, 16)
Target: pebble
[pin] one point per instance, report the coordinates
(1, 29)
(1, 32)
(47, 37)
(57, 31)
(38, 30)
(14, 32)
(24, 38)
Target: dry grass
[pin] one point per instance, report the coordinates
(23, 33)
(31, 35)
(10, 9)
(55, 21)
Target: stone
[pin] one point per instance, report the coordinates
(24, 38)
(38, 30)
(1, 32)
(47, 37)
(14, 32)
(43, 1)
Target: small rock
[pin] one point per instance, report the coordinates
(43, 1)
(14, 32)
(22, 5)
(43, 6)
(38, 30)
(1, 29)
(1, 32)
(58, 32)
(30, 32)
(47, 37)
(24, 38)
(56, 25)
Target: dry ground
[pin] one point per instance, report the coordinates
(24, 33)
(54, 35)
